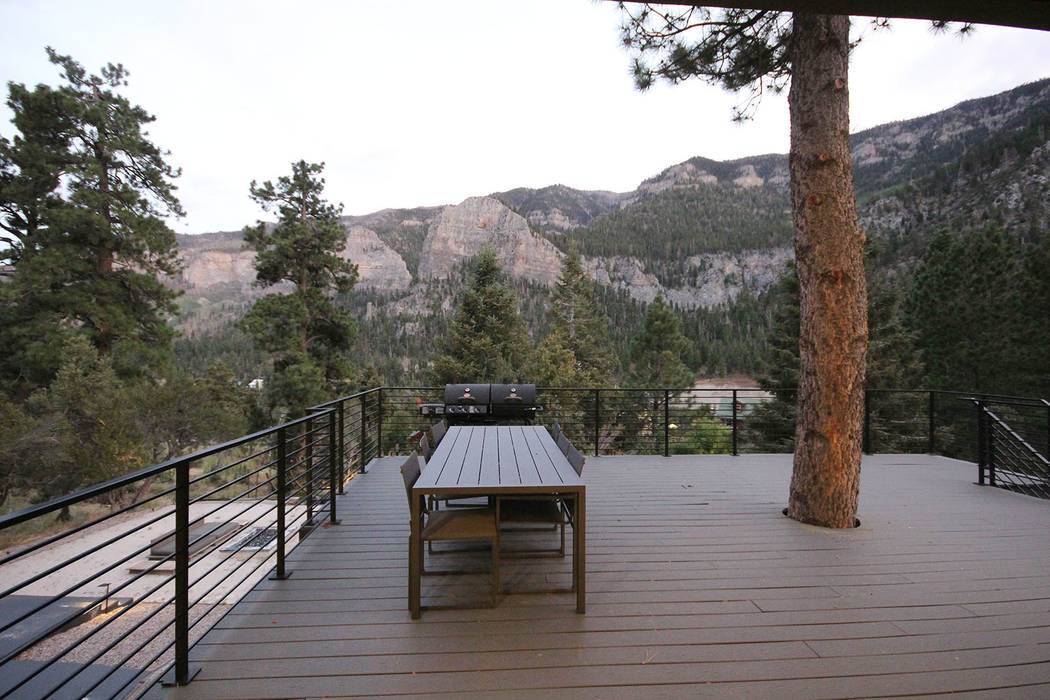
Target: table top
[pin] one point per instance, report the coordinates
(495, 459)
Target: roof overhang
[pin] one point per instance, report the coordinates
(1029, 14)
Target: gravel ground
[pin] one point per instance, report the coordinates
(219, 579)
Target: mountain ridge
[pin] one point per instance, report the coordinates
(703, 233)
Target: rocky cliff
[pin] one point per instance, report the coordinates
(713, 278)
(218, 266)
(379, 267)
(458, 233)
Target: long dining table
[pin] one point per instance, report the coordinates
(509, 461)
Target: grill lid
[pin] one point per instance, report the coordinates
(513, 394)
(466, 394)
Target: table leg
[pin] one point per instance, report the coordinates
(415, 553)
(579, 553)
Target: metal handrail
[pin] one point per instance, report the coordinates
(301, 460)
(302, 452)
(97, 490)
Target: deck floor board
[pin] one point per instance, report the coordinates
(697, 586)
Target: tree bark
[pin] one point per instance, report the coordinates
(829, 249)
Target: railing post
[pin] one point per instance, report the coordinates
(867, 422)
(734, 424)
(1047, 446)
(342, 447)
(597, 417)
(982, 452)
(181, 673)
(379, 422)
(308, 525)
(333, 473)
(361, 446)
(667, 423)
(282, 478)
(989, 446)
(931, 443)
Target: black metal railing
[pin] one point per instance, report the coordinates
(359, 430)
(1005, 457)
(711, 421)
(742, 421)
(216, 521)
(187, 539)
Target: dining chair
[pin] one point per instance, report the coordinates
(524, 515)
(575, 458)
(556, 431)
(453, 525)
(563, 444)
(438, 430)
(541, 511)
(424, 446)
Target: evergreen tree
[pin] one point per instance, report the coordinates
(183, 413)
(487, 340)
(965, 309)
(307, 334)
(582, 329)
(84, 191)
(30, 446)
(31, 166)
(656, 354)
(780, 371)
(94, 425)
(771, 427)
(1033, 352)
(554, 364)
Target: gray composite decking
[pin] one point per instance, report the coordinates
(697, 587)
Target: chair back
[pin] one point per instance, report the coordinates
(410, 472)
(556, 431)
(424, 446)
(563, 444)
(437, 431)
(576, 459)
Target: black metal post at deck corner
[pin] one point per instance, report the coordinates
(1047, 404)
(341, 456)
(281, 572)
(379, 422)
(181, 673)
(667, 423)
(309, 435)
(361, 441)
(333, 471)
(597, 418)
(982, 457)
(734, 424)
(989, 446)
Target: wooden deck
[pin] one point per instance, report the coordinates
(697, 586)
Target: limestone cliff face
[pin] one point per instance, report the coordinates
(714, 278)
(218, 265)
(205, 269)
(379, 267)
(459, 232)
(686, 174)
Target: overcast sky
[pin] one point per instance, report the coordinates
(418, 103)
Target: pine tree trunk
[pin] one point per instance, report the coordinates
(829, 253)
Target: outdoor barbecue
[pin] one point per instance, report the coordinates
(485, 403)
